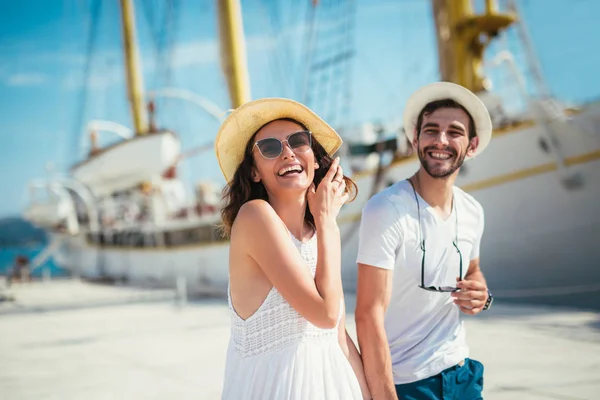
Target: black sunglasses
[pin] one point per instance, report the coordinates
(444, 289)
(299, 142)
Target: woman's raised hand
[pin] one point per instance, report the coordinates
(326, 201)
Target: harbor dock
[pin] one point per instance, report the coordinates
(74, 340)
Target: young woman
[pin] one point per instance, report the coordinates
(288, 337)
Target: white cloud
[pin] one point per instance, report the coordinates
(97, 80)
(107, 69)
(26, 79)
(260, 43)
(204, 52)
(195, 53)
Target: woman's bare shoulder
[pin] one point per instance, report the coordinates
(254, 216)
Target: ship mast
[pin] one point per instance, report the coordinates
(233, 51)
(462, 38)
(135, 84)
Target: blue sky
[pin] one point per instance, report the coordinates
(43, 56)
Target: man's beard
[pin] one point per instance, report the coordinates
(441, 172)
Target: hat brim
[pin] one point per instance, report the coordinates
(243, 122)
(447, 90)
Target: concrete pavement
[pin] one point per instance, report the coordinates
(157, 350)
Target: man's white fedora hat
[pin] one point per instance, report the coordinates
(446, 90)
(244, 121)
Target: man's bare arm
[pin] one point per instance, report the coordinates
(372, 298)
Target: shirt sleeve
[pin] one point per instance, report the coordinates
(379, 235)
(477, 243)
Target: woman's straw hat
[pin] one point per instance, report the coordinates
(247, 119)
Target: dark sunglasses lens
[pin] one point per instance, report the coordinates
(440, 289)
(269, 148)
(300, 141)
(448, 289)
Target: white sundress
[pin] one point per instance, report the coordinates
(277, 354)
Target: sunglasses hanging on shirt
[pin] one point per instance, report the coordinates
(443, 289)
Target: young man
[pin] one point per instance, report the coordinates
(418, 258)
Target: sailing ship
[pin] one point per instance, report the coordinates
(123, 214)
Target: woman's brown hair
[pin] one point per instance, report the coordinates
(242, 187)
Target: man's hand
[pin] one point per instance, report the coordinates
(471, 297)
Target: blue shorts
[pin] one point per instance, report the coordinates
(454, 383)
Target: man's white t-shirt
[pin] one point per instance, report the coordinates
(424, 329)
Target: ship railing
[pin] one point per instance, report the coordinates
(40, 259)
(54, 191)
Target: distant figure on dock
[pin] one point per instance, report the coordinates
(418, 258)
(20, 271)
(288, 337)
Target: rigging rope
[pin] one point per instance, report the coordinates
(309, 41)
(328, 87)
(169, 29)
(347, 90)
(83, 97)
(276, 66)
(163, 39)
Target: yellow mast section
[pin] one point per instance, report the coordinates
(462, 38)
(233, 51)
(135, 85)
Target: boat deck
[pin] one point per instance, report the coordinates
(71, 340)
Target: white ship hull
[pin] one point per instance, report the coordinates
(539, 241)
(204, 267)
